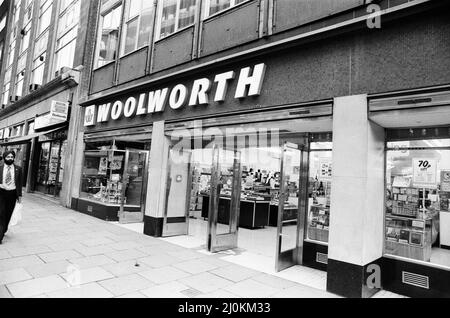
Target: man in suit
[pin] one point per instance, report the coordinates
(10, 190)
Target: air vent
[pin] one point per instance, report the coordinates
(322, 258)
(415, 101)
(300, 112)
(416, 280)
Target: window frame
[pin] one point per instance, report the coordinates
(61, 34)
(177, 30)
(388, 149)
(233, 5)
(45, 7)
(125, 23)
(104, 13)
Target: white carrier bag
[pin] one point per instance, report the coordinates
(16, 217)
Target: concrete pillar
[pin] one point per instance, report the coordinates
(157, 179)
(357, 199)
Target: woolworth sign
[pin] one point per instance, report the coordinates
(249, 84)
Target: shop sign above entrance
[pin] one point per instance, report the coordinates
(424, 172)
(249, 84)
(59, 112)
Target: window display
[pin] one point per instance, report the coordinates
(51, 167)
(320, 174)
(111, 177)
(102, 176)
(417, 206)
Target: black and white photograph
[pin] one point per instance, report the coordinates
(224, 155)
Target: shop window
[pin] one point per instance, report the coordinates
(138, 25)
(51, 167)
(418, 199)
(215, 6)
(108, 37)
(319, 190)
(175, 15)
(110, 175)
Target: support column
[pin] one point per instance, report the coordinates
(157, 179)
(357, 199)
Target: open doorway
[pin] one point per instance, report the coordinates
(250, 192)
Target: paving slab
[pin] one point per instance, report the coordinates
(36, 286)
(59, 253)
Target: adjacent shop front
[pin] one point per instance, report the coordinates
(417, 213)
(114, 174)
(11, 139)
(38, 135)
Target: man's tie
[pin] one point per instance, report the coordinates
(8, 176)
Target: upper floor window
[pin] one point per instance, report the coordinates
(11, 53)
(1, 52)
(67, 33)
(108, 37)
(69, 17)
(16, 11)
(45, 16)
(138, 25)
(19, 84)
(175, 15)
(5, 95)
(214, 6)
(41, 43)
(3, 23)
(25, 38)
(28, 15)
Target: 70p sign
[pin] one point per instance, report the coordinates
(424, 172)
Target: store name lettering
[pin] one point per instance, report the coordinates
(249, 84)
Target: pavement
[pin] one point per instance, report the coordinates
(59, 253)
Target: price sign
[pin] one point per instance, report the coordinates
(424, 172)
(445, 181)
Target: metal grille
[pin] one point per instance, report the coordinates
(322, 258)
(416, 280)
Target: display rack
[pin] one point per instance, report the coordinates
(408, 228)
(319, 223)
(319, 211)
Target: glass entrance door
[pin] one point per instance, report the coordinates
(51, 167)
(291, 207)
(132, 191)
(225, 197)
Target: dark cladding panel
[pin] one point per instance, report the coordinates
(103, 78)
(133, 66)
(173, 50)
(230, 29)
(403, 55)
(293, 13)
